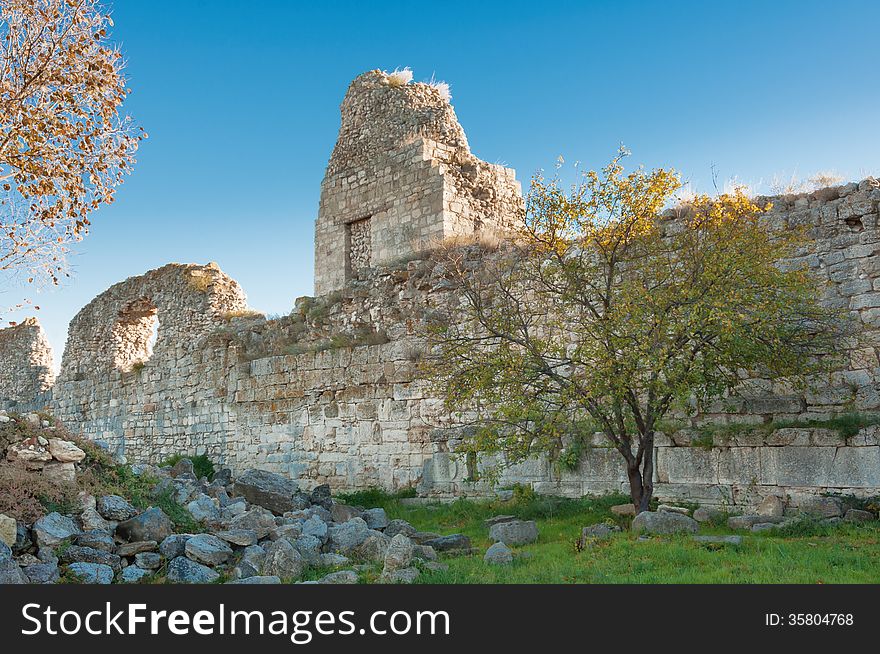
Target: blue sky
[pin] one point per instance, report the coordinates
(241, 98)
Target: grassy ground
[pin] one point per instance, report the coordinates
(806, 553)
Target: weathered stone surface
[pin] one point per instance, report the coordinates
(330, 560)
(148, 560)
(600, 531)
(343, 512)
(708, 514)
(267, 489)
(771, 506)
(261, 580)
(91, 573)
(65, 451)
(375, 518)
(373, 548)
(79, 554)
(152, 524)
(623, 509)
(650, 522)
(341, 577)
(53, 529)
(764, 526)
(60, 473)
(186, 571)
(316, 527)
(746, 521)
(494, 520)
(857, 515)
(207, 549)
(8, 530)
(822, 507)
(203, 509)
(449, 543)
(398, 555)
(398, 526)
(174, 545)
(257, 519)
(344, 538)
(283, 560)
(498, 554)
(93, 521)
(402, 576)
(42, 573)
(132, 574)
(240, 537)
(514, 532)
(668, 508)
(99, 540)
(132, 549)
(114, 507)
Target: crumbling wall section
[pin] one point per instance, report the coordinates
(400, 178)
(27, 369)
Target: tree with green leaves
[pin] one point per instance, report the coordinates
(606, 314)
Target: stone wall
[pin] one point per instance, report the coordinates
(26, 365)
(333, 392)
(400, 177)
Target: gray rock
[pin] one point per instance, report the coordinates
(857, 515)
(449, 543)
(402, 576)
(207, 549)
(399, 527)
(53, 529)
(398, 555)
(267, 489)
(152, 524)
(424, 552)
(434, 566)
(344, 538)
(114, 507)
(203, 509)
(514, 532)
(504, 495)
(258, 580)
(343, 513)
(42, 573)
(233, 509)
(373, 548)
(22, 538)
(256, 519)
(771, 506)
(148, 560)
(301, 501)
(132, 549)
(310, 549)
(764, 526)
(186, 571)
(331, 560)
(649, 522)
(720, 540)
(600, 531)
(283, 560)
(498, 554)
(100, 540)
(623, 509)
(746, 521)
(320, 495)
(92, 521)
(498, 519)
(240, 537)
(79, 554)
(822, 507)
(8, 530)
(376, 518)
(174, 545)
(184, 467)
(91, 573)
(316, 527)
(10, 572)
(422, 537)
(132, 574)
(708, 514)
(668, 508)
(341, 577)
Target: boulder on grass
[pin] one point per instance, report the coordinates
(514, 532)
(498, 554)
(663, 522)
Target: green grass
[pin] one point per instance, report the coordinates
(806, 552)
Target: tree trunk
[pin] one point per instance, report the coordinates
(636, 489)
(641, 482)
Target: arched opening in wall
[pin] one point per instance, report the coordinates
(135, 334)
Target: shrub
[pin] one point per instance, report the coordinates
(202, 466)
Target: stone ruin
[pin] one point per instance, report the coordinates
(332, 393)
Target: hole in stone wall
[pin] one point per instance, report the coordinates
(135, 334)
(855, 223)
(359, 246)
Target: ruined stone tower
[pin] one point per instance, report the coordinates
(400, 178)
